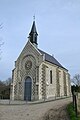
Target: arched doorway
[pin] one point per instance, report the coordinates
(27, 89)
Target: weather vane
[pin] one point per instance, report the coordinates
(34, 17)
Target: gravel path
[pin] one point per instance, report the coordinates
(56, 114)
(55, 110)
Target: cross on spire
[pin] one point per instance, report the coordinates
(34, 18)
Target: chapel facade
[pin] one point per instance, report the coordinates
(38, 75)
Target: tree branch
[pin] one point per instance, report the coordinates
(1, 26)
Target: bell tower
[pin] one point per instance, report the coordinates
(33, 34)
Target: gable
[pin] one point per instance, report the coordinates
(30, 49)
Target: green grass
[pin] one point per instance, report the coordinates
(71, 112)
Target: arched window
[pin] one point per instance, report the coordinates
(50, 76)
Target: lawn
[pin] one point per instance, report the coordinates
(71, 112)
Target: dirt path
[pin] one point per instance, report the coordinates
(56, 114)
(44, 111)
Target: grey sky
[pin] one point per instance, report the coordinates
(58, 26)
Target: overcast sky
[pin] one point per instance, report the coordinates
(58, 26)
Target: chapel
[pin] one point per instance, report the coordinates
(38, 75)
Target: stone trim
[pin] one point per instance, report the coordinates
(64, 84)
(57, 83)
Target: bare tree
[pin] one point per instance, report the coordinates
(76, 79)
(5, 89)
(8, 81)
(1, 26)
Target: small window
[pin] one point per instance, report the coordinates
(37, 87)
(50, 76)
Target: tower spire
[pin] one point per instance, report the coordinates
(33, 34)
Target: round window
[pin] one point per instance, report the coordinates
(28, 65)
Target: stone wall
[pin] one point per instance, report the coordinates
(60, 81)
(20, 73)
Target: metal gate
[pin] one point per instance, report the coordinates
(28, 89)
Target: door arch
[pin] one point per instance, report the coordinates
(27, 89)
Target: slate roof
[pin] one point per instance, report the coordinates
(51, 59)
